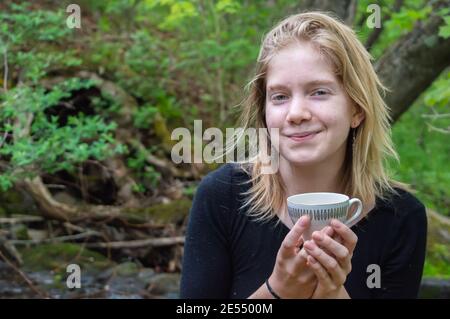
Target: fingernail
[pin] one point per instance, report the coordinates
(309, 245)
(319, 237)
(335, 223)
(303, 220)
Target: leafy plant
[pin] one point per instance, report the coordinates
(35, 142)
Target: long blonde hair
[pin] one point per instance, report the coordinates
(366, 176)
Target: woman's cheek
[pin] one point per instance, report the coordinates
(274, 118)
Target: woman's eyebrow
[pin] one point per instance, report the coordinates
(273, 87)
(321, 82)
(328, 82)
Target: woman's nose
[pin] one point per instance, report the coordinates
(298, 111)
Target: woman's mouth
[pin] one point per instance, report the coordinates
(301, 137)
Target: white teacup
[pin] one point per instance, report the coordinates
(322, 208)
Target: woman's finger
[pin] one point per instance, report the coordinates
(322, 275)
(330, 232)
(299, 245)
(330, 245)
(330, 264)
(349, 237)
(293, 238)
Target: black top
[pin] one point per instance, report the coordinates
(228, 254)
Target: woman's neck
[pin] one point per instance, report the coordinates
(320, 177)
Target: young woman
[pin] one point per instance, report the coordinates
(315, 83)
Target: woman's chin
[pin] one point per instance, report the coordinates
(301, 160)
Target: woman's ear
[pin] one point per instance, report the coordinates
(358, 115)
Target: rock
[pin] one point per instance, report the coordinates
(437, 262)
(126, 269)
(65, 198)
(435, 288)
(165, 285)
(145, 275)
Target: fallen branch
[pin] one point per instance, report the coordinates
(153, 242)
(54, 209)
(18, 220)
(42, 294)
(54, 239)
(12, 251)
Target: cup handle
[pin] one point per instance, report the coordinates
(357, 213)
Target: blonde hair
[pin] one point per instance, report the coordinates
(366, 176)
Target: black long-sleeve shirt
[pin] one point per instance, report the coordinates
(228, 254)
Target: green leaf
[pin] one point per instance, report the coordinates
(444, 31)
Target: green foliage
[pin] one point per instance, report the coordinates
(190, 191)
(52, 147)
(146, 174)
(27, 33)
(211, 52)
(438, 95)
(143, 118)
(400, 24)
(179, 12)
(444, 31)
(436, 264)
(424, 156)
(36, 142)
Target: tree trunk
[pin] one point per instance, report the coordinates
(344, 9)
(414, 62)
(377, 32)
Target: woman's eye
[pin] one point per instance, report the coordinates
(278, 97)
(320, 92)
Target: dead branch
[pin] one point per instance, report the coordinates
(152, 242)
(40, 293)
(60, 239)
(56, 210)
(437, 129)
(20, 219)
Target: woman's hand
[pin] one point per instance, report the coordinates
(291, 277)
(329, 256)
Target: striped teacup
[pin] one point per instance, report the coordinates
(322, 208)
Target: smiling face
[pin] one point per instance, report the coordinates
(306, 101)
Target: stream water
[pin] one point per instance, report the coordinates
(114, 283)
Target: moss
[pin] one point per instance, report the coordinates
(10, 197)
(172, 212)
(163, 133)
(437, 262)
(14, 202)
(56, 257)
(20, 231)
(126, 269)
(9, 202)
